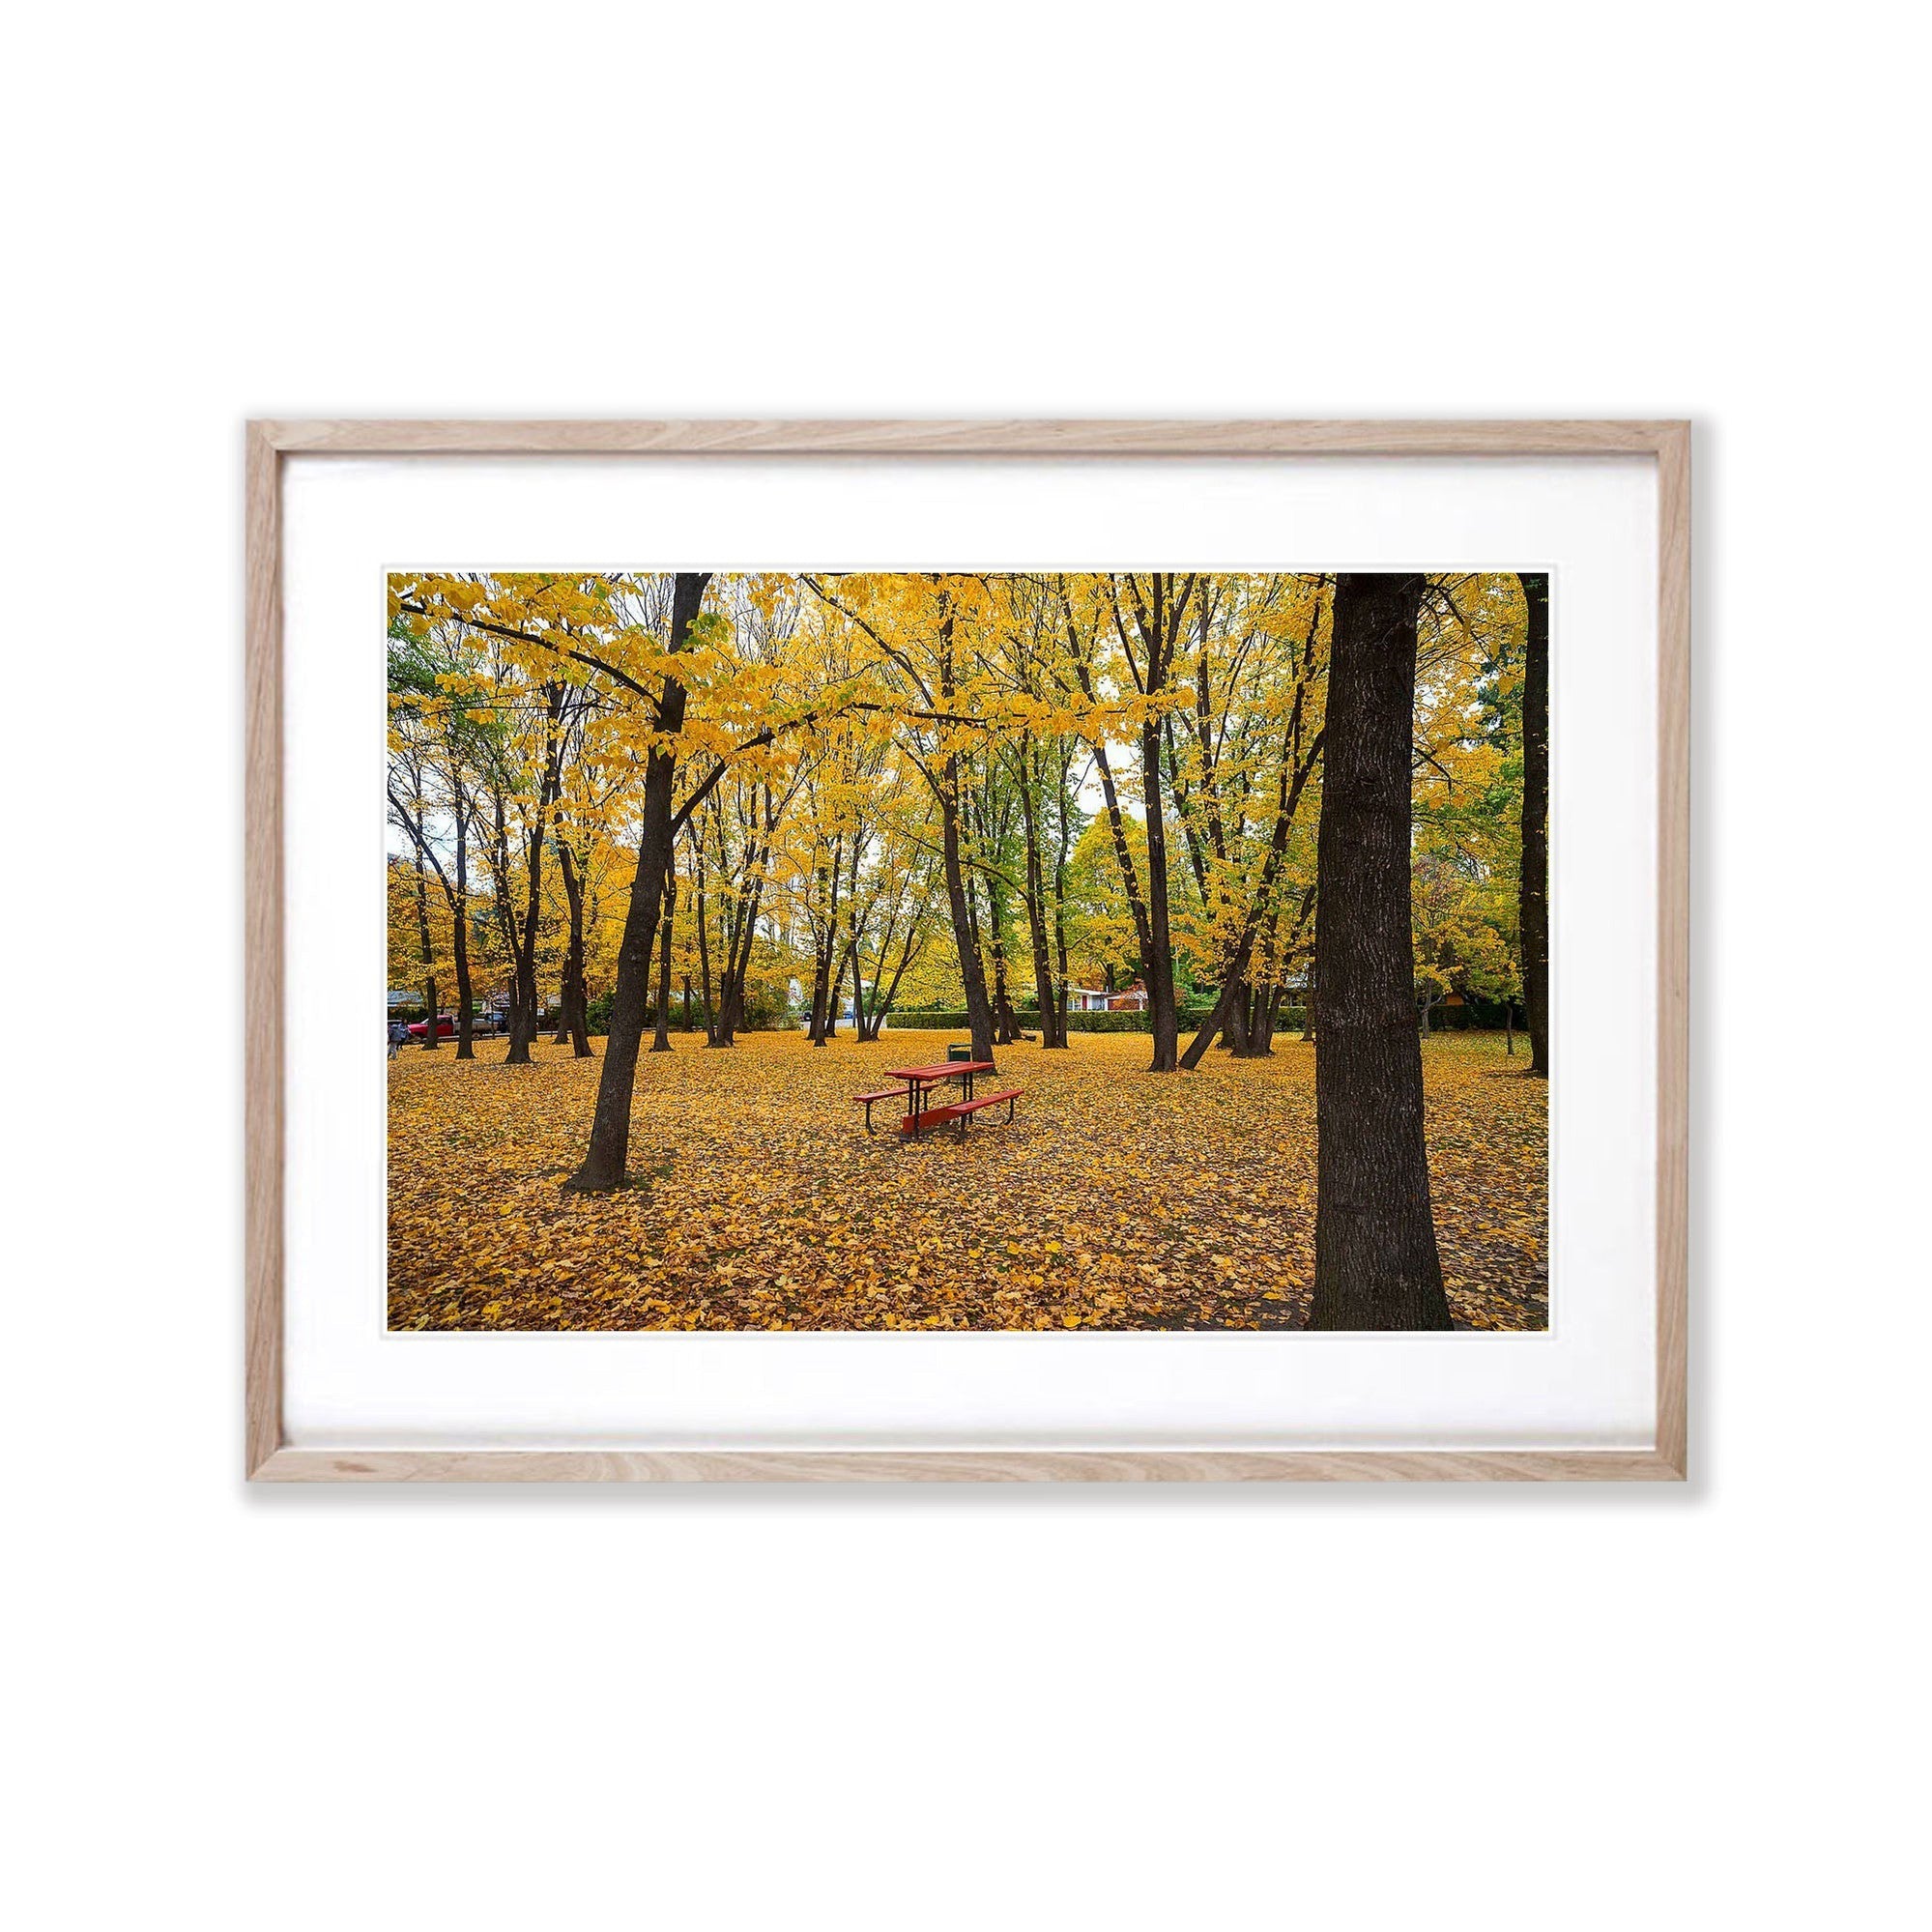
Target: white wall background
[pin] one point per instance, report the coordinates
(1382, 1708)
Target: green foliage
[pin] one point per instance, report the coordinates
(1029, 1018)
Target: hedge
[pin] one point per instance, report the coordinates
(1288, 1019)
(1077, 1023)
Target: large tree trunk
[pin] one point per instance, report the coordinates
(1377, 1265)
(605, 1160)
(1535, 904)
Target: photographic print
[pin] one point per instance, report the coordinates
(1063, 950)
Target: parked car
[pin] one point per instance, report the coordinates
(483, 1026)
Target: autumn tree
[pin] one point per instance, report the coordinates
(605, 1161)
(929, 678)
(433, 743)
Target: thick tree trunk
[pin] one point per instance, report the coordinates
(1262, 1038)
(605, 1160)
(1534, 909)
(1235, 1035)
(1377, 1265)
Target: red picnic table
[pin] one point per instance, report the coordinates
(918, 1090)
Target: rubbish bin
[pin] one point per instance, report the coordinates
(958, 1053)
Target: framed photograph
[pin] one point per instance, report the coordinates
(968, 951)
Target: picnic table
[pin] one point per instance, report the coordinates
(917, 1091)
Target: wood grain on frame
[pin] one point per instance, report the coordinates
(263, 873)
(268, 1459)
(719, 437)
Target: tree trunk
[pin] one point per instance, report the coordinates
(429, 1039)
(1159, 965)
(1063, 978)
(575, 1016)
(703, 918)
(662, 1040)
(1036, 909)
(459, 935)
(1534, 909)
(1264, 1037)
(1234, 1034)
(1377, 1265)
(499, 853)
(867, 1017)
(1235, 980)
(605, 1160)
(972, 975)
(524, 1037)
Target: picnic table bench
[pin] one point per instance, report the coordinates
(916, 1090)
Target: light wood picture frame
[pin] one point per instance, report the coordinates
(271, 1458)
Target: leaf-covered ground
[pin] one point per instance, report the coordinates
(1115, 1198)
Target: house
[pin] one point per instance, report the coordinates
(1097, 999)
